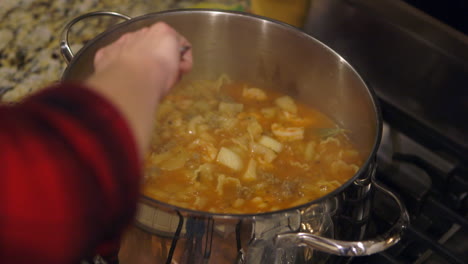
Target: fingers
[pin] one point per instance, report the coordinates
(186, 61)
(105, 55)
(154, 48)
(180, 48)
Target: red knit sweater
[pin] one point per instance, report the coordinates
(69, 176)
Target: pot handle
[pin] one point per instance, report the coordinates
(65, 47)
(352, 248)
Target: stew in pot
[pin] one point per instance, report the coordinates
(228, 147)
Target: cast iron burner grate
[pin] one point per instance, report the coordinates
(435, 191)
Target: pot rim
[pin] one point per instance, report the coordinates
(368, 164)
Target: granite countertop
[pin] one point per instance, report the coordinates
(30, 32)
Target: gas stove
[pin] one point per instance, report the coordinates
(418, 67)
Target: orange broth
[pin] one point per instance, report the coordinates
(229, 147)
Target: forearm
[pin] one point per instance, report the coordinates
(137, 70)
(69, 176)
(137, 104)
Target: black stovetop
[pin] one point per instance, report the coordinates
(417, 63)
(452, 12)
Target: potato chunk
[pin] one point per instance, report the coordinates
(286, 103)
(271, 143)
(254, 93)
(251, 172)
(229, 159)
(254, 128)
(230, 108)
(310, 152)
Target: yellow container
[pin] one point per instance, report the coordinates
(292, 12)
(234, 5)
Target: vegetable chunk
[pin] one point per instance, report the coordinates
(230, 108)
(271, 143)
(229, 159)
(287, 133)
(251, 172)
(286, 103)
(254, 93)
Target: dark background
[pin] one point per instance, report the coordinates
(451, 12)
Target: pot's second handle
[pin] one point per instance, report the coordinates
(352, 248)
(65, 47)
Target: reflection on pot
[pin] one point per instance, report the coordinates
(162, 236)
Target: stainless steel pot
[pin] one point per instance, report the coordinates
(268, 54)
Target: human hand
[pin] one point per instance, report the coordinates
(151, 50)
(137, 70)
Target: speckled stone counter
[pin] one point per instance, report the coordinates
(30, 34)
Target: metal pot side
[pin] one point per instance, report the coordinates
(266, 53)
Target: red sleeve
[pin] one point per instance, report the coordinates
(69, 176)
